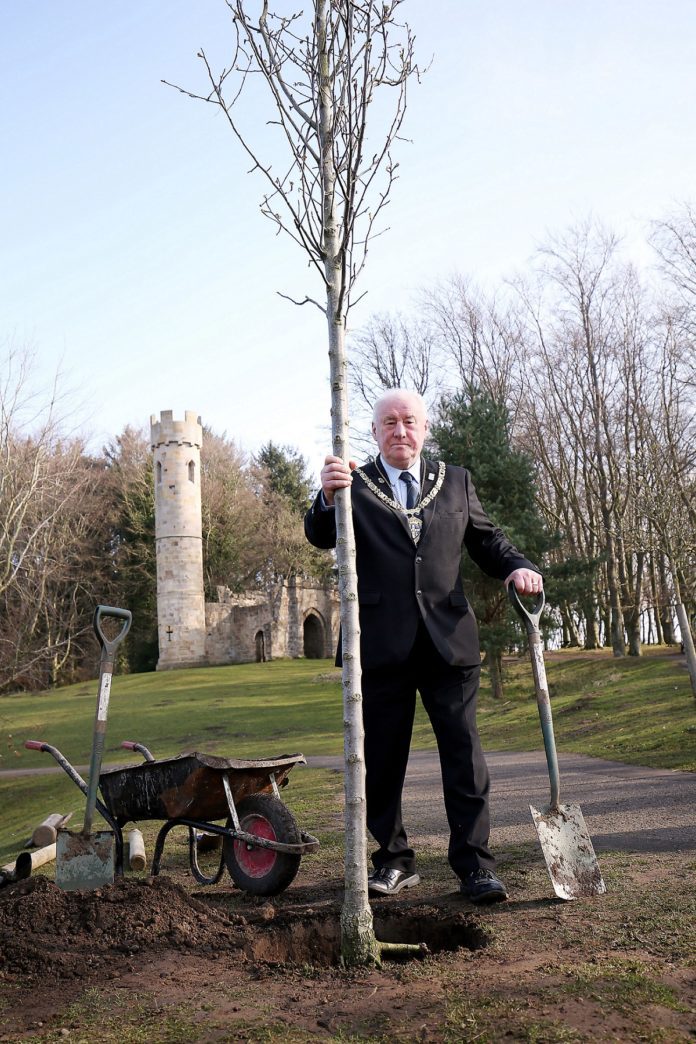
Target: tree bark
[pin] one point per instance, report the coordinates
(571, 636)
(664, 607)
(494, 663)
(687, 636)
(359, 945)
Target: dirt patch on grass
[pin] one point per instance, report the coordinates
(147, 959)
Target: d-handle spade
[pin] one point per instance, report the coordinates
(106, 670)
(84, 860)
(563, 835)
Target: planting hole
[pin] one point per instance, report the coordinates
(314, 938)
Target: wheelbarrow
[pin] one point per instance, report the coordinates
(262, 845)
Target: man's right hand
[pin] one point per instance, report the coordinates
(335, 475)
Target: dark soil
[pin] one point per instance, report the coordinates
(145, 959)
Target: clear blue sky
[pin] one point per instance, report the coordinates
(132, 251)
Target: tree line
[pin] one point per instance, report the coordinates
(569, 392)
(78, 529)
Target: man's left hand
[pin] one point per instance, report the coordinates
(526, 581)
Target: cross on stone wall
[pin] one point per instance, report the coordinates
(169, 633)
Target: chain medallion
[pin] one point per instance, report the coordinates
(415, 522)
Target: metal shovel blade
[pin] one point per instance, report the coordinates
(570, 857)
(84, 862)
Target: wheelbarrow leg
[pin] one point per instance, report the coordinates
(202, 878)
(159, 845)
(230, 802)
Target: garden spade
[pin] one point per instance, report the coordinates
(564, 838)
(85, 860)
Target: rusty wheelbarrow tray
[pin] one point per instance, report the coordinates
(261, 843)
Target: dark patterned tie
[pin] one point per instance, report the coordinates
(411, 496)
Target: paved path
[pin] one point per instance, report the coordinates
(626, 807)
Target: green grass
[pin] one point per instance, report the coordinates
(128, 1019)
(619, 984)
(634, 710)
(247, 710)
(637, 710)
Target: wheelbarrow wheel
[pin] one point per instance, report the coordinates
(262, 871)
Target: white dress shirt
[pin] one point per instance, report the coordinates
(399, 488)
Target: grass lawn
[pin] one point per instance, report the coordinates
(634, 710)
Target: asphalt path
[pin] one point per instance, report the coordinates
(627, 808)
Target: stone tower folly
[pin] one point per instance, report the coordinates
(180, 601)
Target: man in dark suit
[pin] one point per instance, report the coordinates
(412, 518)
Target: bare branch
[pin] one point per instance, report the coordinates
(307, 300)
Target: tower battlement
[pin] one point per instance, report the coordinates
(166, 431)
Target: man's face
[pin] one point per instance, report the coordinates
(400, 429)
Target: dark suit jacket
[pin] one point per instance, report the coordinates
(400, 583)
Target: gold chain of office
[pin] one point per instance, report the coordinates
(411, 513)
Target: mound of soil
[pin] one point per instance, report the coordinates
(46, 931)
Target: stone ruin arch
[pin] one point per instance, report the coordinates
(260, 646)
(313, 635)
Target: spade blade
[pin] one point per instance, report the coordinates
(570, 857)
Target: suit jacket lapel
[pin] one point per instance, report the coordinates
(373, 472)
(431, 468)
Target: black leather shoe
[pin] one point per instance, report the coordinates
(482, 886)
(388, 881)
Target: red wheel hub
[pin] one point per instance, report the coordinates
(256, 862)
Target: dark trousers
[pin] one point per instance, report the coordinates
(449, 697)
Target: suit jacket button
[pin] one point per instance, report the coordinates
(418, 558)
(419, 593)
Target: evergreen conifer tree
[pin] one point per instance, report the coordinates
(473, 431)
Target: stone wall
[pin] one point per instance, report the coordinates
(301, 620)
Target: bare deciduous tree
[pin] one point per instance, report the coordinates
(389, 352)
(322, 72)
(575, 375)
(479, 337)
(668, 491)
(50, 532)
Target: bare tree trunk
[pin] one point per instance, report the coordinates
(632, 611)
(655, 595)
(616, 622)
(571, 636)
(359, 945)
(494, 662)
(665, 610)
(592, 639)
(688, 640)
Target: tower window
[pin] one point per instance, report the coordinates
(159, 472)
(191, 471)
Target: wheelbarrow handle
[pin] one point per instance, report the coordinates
(106, 611)
(140, 747)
